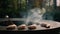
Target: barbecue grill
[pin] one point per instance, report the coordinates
(54, 26)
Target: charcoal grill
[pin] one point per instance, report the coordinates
(55, 26)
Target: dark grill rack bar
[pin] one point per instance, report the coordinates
(12, 19)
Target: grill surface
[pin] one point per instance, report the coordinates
(53, 24)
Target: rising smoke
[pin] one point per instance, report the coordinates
(35, 15)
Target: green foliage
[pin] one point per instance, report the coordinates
(23, 5)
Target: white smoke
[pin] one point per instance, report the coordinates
(35, 15)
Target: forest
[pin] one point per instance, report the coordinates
(18, 8)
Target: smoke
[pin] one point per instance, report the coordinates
(35, 15)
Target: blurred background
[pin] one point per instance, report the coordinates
(19, 8)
